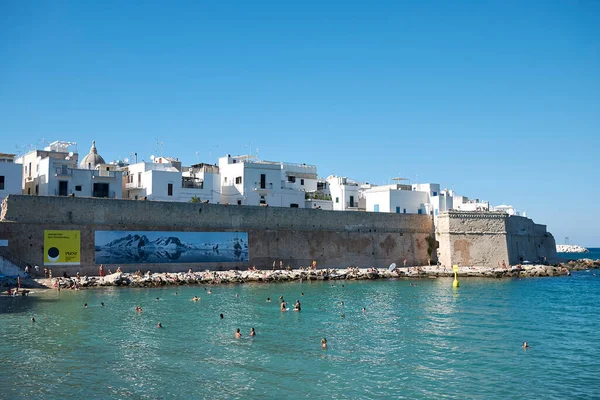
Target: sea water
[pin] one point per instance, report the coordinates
(425, 341)
(594, 254)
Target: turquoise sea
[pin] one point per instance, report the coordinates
(594, 254)
(426, 341)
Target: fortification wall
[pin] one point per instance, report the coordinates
(529, 241)
(472, 238)
(486, 239)
(295, 236)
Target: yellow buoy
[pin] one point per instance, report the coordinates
(455, 283)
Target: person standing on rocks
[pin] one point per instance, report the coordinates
(101, 270)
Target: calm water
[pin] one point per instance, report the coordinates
(594, 254)
(428, 341)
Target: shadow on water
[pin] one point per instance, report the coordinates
(22, 304)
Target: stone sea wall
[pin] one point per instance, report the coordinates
(490, 238)
(295, 236)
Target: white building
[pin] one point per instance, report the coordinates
(246, 180)
(397, 198)
(54, 172)
(344, 193)
(11, 175)
(463, 203)
(160, 180)
(510, 210)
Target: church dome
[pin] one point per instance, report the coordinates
(92, 159)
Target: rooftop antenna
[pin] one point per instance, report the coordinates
(567, 240)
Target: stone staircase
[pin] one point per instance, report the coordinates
(11, 265)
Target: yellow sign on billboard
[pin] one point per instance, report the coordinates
(62, 248)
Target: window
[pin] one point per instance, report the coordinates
(302, 182)
(419, 211)
(397, 210)
(2, 182)
(239, 202)
(238, 180)
(294, 205)
(292, 179)
(262, 200)
(376, 208)
(435, 193)
(170, 189)
(337, 199)
(351, 201)
(37, 189)
(78, 188)
(404, 212)
(225, 180)
(263, 182)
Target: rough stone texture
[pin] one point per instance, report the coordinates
(296, 236)
(486, 239)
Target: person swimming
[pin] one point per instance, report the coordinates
(159, 325)
(196, 298)
(85, 305)
(209, 291)
(343, 315)
(138, 309)
(364, 310)
(283, 306)
(102, 304)
(268, 299)
(297, 306)
(525, 345)
(32, 319)
(324, 343)
(238, 334)
(221, 316)
(252, 332)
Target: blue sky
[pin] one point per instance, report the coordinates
(498, 100)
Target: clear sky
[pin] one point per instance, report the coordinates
(498, 100)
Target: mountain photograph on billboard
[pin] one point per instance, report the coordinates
(156, 247)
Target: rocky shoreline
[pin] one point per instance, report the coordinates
(226, 277)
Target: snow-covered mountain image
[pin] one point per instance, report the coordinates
(134, 247)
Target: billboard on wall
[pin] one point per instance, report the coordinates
(136, 247)
(62, 247)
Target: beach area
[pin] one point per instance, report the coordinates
(148, 279)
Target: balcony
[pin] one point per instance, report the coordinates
(134, 185)
(63, 171)
(103, 174)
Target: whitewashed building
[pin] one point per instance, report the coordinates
(463, 203)
(344, 193)
(160, 180)
(245, 180)
(11, 175)
(397, 198)
(54, 171)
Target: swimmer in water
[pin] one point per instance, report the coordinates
(236, 296)
(324, 343)
(195, 298)
(138, 309)
(252, 332)
(102, 304)
(302, 294)
(268, 299)
(157, 299)
(343, 315)
(525, 345)
(364, 310)
(238, 333)
(221, 316)
(32, 319)
(159, 325)
(283, 306)
(297, 306)
(209, 291)
(85, 305)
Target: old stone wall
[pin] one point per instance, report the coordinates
(295, 236)
(488, 238)
(528, 241)
(472, 238)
